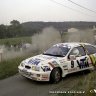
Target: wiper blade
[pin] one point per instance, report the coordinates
(47, 54)
(59, 55)
(54, 55)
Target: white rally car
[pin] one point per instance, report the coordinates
(58, 61)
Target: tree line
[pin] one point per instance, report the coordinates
(16, 29)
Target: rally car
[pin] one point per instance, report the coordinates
(58, 61)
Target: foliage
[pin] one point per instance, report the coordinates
(10, 67)
(3, 31)
(16, 29)
(15, 41)
(87, 84)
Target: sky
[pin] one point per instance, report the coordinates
(46, 10)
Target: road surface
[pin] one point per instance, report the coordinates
(20, 86)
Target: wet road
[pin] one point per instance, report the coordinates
(20, 86)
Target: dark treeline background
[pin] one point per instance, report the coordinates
(15, 29)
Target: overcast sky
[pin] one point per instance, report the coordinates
(45, 10)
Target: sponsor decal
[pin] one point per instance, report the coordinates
(55, 63)
(93, 59)
(51, 65)
(66, 69)
(72, 57)
(45, 79)
(35, 61)
(83, 63)
(89, 61)
(66, 45)
(46, 68)
(45, 76)
(62, 45)
(65, 66)
(62, 61)
(73, 69)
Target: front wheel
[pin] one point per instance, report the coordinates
(55, 76)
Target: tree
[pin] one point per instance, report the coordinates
(15, 23)
(15, 28)
(3, 31)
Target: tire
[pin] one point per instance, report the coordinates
(55, 76)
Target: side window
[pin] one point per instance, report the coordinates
(78, 51)
(90, 49)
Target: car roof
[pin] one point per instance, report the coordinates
(72, 44)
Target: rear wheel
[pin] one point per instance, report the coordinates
(55, 76)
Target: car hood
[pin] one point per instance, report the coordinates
(40, 59)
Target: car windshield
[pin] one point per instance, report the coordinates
(59, 51)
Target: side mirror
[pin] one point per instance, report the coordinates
(72, 57)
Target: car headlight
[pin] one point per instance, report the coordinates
(35, 68)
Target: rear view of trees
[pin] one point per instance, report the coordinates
(15, 29)
(3, 31)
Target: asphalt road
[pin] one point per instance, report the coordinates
(20, 86)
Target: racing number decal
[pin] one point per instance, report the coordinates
(83, 63)
(72, 64)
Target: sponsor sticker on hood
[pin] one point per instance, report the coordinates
(39, 58)
(34, 61)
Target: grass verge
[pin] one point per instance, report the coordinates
(86, 85)
(9, 67)
(15, 41)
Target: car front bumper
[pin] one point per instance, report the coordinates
(35, 75)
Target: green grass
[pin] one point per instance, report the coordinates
(9, 67)
(15, 41)
(84, 84)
